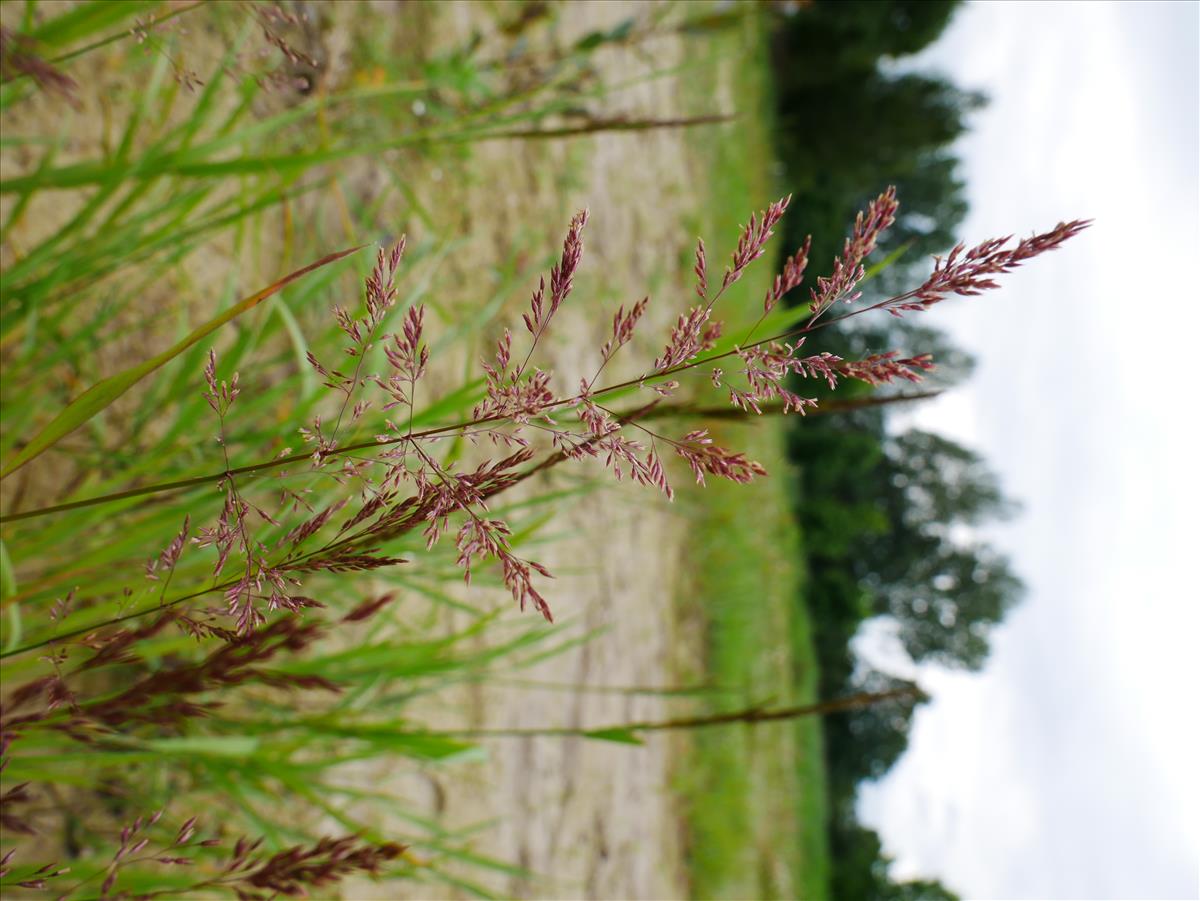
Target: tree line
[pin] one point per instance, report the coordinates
(882, 511)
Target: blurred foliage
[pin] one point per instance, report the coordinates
(864, 872)
(884, 515)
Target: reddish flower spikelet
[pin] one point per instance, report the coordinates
(517, 399)
(61, 606)
(598, 422)
(380, 291)
(270, 17)
(704, 457)
(562, 276)
(767, 367)
(880, 369)
(623, 328)
(368, 608)
(510, 394)
(693, 333)
(969, 272)
(39, 876)
(17, 58)
(166, 561)
(292, 872)
(9, 801)
(220, 394)
(848, 270)
(789, 278)
(686, 339)
(313, 524)
(409, 359)
(165, 697)
(518, 579)
(753, 240)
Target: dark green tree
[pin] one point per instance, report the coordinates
(943, 593)
(847, 129)
(860, 871)
(870, 739)
(830, 39)
(939, 484)
(882, 515)
(918, 890)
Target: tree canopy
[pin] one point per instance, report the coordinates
(890, 519)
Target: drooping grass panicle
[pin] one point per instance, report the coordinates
(969, 272)
(17, 58)
(789, 277)
(848, 269)
(562, 280)
(693, 332)
(752, 242)
(517, 404)
(510, 394)
(380, 296)
(244, 870)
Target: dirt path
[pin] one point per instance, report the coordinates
(590, 819)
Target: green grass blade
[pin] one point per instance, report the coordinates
(8, 578)
(104, 392)
(620, 736)
(87, 19)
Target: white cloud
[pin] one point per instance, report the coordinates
(1065, 769)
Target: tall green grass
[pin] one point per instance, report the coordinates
(754, 798)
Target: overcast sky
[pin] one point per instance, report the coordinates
(1067, 769)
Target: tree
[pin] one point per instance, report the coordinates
(943, 592)
(846, 128)
(919, 890)
(882, 515)
(830, 39)
(860, 871)
(947, 602)
(866, 742)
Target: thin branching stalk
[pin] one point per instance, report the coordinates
(749, 716)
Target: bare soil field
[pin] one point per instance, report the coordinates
(589, 819)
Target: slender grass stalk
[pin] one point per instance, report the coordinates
(751, 716)
(439, 431)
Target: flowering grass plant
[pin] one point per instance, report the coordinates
(108, 688)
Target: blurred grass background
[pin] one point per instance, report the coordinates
(754, 797)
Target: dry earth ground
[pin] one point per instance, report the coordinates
(588, 818)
